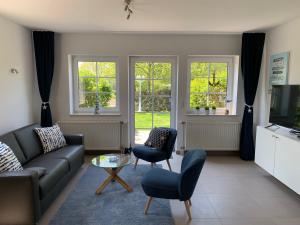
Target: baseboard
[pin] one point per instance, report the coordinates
(213, 153)
(223, 153)
(178, 152)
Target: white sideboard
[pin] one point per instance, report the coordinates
(278, 152)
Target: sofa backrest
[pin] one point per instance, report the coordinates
(12, 142)
(29, 141)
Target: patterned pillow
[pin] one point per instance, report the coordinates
(8, 160)
(157, 138)
(51, 138)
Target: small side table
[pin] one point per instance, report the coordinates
(112, 164)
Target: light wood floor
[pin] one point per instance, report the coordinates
(229, 192)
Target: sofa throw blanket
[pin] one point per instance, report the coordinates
(51, 138)
(157, 138)
(8, 159)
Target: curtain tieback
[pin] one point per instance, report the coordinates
(44, 105)
(250, 108)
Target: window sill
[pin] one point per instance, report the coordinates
(203, 114)
(93, 114)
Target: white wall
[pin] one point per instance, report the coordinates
(282, 38)
(15, 89)
(124, 45)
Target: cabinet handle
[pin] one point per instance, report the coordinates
(275, 136)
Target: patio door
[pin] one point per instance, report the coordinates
(153, 95)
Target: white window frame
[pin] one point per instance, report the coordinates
(232, 81)
(74, 87)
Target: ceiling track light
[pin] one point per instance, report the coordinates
(128, 8)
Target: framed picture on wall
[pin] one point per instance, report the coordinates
(278, 70)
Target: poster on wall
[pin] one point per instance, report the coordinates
(279, 69)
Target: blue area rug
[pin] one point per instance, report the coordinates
(115, 206)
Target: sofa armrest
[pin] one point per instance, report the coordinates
(74, 139)
(19, 197)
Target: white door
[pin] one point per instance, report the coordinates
(153, 84)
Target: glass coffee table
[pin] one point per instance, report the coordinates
(112, 163)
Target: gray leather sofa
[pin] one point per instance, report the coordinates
(25, 195)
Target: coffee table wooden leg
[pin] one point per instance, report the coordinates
(113, 177)
(115, 172)
(123, 183)
(104, 184)
(112, 172)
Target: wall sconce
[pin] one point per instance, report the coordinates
(128, 8)
(13, 71)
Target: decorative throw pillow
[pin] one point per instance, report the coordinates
(157, 138)
(51, 138)
(8, 160)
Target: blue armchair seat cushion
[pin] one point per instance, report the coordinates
(160, 183)
(148, 153)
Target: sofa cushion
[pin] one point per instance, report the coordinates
(56, 169)
(157, 138)
(51, 138)
(8, 160)
(29, 141)
(72, 153)
(11, 141)
(160, 183)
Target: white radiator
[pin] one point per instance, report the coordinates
(212, 136)
(100, 135)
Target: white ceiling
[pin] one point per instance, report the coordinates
(175, 16)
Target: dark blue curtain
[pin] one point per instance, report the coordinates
(252, 50)
(44, 59)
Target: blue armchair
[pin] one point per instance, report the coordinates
(155, 155)
(160, 183)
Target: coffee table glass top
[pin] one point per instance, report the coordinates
(112, 160)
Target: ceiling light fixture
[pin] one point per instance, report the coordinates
(128, 8)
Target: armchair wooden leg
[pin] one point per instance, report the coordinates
(187, 207)
(147, 205)
(169, 165)
(190, 202)
(136, 162)
(152, 164)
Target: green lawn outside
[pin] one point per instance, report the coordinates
(143, 120)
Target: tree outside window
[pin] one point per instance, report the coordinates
(97, 80)
(208, 84)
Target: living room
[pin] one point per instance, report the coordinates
(107, 106)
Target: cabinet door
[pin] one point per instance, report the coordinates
(265, 149)
(287, 162)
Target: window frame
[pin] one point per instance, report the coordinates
(231, 92)
(74, 84)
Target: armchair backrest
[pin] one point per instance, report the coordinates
(169, 146)
(191, 167)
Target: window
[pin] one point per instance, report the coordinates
(212, 83)
(94, 81)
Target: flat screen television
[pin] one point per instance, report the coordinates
(285, 106)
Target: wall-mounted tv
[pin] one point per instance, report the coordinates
(285, 106)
